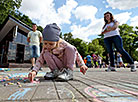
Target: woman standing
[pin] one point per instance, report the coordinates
(112, 36)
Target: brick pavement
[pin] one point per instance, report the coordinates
(96, 86)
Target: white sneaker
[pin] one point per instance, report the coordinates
(133, 68)
(110, 69)
(66, 75)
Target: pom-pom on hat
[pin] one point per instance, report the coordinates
(51, 32)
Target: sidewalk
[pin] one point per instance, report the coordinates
(96, 86)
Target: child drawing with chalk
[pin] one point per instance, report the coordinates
(59, 55)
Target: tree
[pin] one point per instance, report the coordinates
(81, 46)
(7, 7)
(68, 37)
(40, 28)
(95, 47)
(10, 7)
(130, 39)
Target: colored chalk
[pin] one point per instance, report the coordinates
(19, 86)
(9, 83)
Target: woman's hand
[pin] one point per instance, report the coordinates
(106, 30)
(31, 76)
(109, 28)
(83, 69)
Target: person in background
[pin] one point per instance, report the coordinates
(94, 56)
(89, 61)
(85, 61)
(34, 38)
(59, 55)
(120, 60)
(99, 59)
(112, 36)
(107, 60)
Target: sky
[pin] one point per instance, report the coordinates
(83, 18)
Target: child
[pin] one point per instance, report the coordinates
(59, 55)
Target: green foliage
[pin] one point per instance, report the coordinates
(68, 37)
(40, 28)
(95, 47)
(7, 7)
(81, 46)
(10, 7)
(61, 36)
(78, 43)
(130, 40)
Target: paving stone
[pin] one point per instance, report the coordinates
(96, 86)
(67, 92)
(15, 93)
(46, 92)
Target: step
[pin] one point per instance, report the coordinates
(19, 65)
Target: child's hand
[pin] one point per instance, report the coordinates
(31, 76)
(83, 69)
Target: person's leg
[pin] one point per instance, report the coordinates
(53, 62)
(37, 53)
(33, 61)
(108, 43)
(69, 57)
(95, 64)
(32, 50)
(119, 46)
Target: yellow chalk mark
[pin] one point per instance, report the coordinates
(73, 96)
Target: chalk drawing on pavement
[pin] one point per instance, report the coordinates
(19, 94)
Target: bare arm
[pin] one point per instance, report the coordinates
(83, 67)
(114, 27)
(39, 62)
(108, 29)
(40, 39)
(105, 31)
(28, 39)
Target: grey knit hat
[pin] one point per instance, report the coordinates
(51, 32)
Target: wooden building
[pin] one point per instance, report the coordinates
(14, 47)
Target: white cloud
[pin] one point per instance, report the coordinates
(95, 27)
(123, 17)
(64, 12)
(123, 4)
(85, 12)
(45, 13)
(134, 21)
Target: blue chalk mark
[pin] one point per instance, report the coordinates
(19, 94)
(25, 74)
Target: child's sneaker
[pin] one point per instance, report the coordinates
(52, 75)
(110, 69)
(66, 75)
(133, 68)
